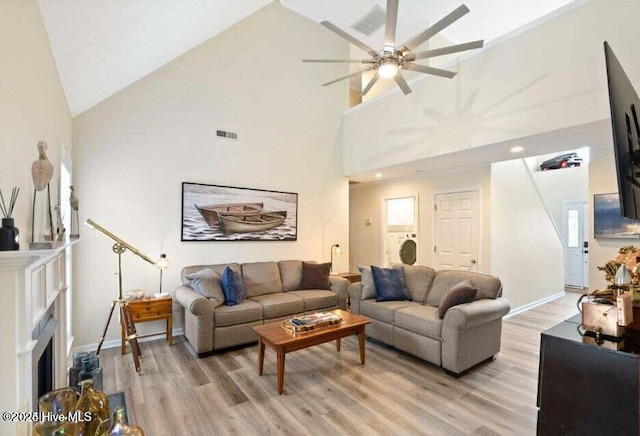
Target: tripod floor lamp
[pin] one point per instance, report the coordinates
(127, 325)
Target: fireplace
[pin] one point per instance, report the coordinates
(43, 356)
(35, 321)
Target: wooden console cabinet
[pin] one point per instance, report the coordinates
(586, 388)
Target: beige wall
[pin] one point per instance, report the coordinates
(602, 180)
(526, 252)
(32, 106)
(135, 149)
(367, 242)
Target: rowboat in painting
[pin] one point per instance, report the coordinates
(210, 212)
(250, 223)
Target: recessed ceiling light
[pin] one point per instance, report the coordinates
(377, 175)
(516, 149)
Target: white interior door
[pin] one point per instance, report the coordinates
(457, 229)
(573, 235)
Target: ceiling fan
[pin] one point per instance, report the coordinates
(392, 57)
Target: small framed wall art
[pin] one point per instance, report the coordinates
(608, 221)
(225, 213)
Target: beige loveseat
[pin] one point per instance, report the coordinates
(273, 293)
(468, 334)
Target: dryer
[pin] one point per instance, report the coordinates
(402, 248)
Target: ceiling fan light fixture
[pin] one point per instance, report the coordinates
(393, 56)
(388, 70)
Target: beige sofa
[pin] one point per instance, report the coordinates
(272, 290)
(468, 334)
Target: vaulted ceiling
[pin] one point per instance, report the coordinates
(103, 47)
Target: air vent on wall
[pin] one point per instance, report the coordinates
(371, 22)
(229, 135)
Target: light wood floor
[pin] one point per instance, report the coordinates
(329, 392)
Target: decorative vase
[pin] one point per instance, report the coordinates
(9, 236)
(61, 401)
(121, 428)
(91, 369)
(42, 169)
(95, 404)
(74, 371)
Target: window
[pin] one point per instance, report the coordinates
(572, 229)
(401, 215)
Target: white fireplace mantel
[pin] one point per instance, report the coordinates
(31, 282)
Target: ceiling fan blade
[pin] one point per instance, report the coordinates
(390, 26)
(372, 82)
(341, 61)
(445, 50)
(430, 70)
(347, 76)
(402, 83)
(436, 28)
(348, 37)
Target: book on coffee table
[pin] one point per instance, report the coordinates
(312, 321)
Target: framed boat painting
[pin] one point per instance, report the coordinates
(225, 213)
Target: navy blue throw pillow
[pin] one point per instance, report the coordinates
(390, 284)
(232, 287)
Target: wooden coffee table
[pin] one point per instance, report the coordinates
(283, 341)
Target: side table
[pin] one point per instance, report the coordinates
(151, 310)
(353, 278)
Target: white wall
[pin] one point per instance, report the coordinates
(526, 252)
(135, 149)
(367, 201)
(568, 184)
(548, 78)
(32, 106)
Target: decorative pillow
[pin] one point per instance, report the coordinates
(463, 292)
(206, 283)
(233, 287)
(315, 276)
(390, 284)
(290, 274)
(368, 286)
(419, 279)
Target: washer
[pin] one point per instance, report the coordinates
(402, 248)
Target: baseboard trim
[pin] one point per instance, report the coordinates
(113, 343)
(536, 303)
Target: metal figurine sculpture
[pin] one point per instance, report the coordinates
(41, 173)
(74, 202)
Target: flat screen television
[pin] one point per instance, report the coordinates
(625, 105)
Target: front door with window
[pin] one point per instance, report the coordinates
(457, 229)
(573, 236)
